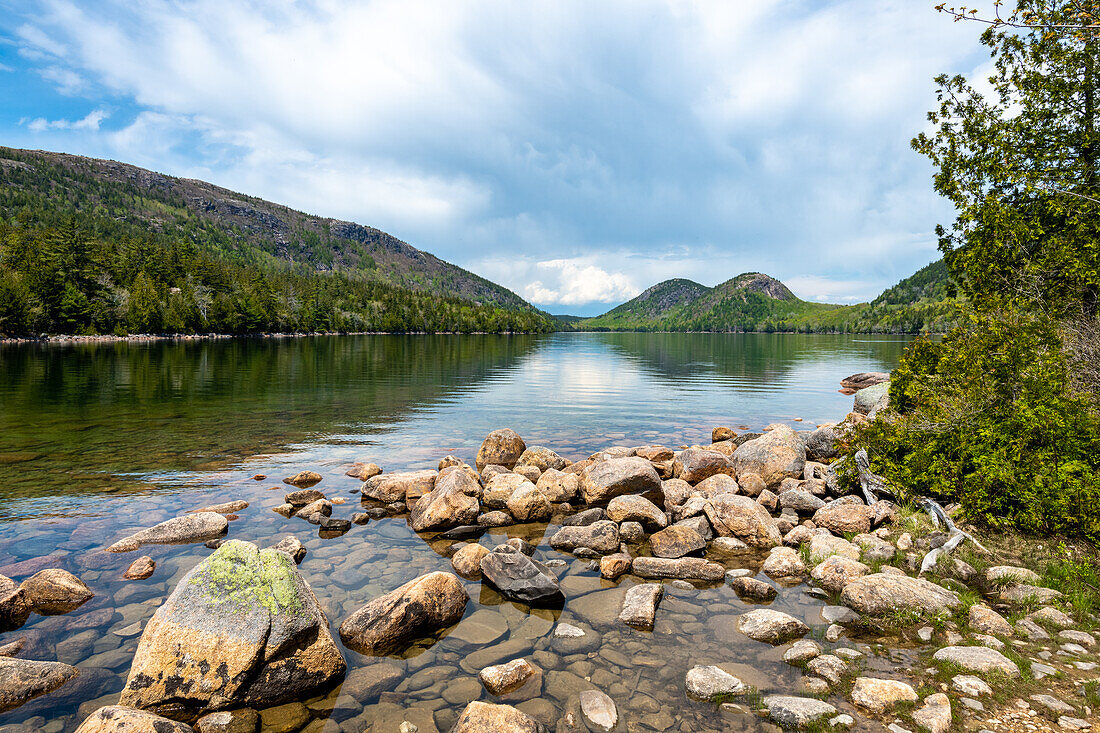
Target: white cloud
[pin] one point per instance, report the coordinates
(91, 121)
(576, 282)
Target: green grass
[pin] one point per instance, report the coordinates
(1076, 575)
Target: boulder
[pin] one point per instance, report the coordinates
(655, 453)
(872, 397)
(878, 695)
(840, 517)
(14, 608)
(422, 607)
(229, 507)
(321, 506)
(559, 486)
(541, 458)
(935, 715)
(140, 569)
(303, 479)
(22, 680)
(640, 605)
(681, 568)
(772, 627)
(601, 537)
(241, 628)
(244, 720)
(676, 541)
(823, 545)
(528, 504)
(802, 651)
(367, 683)
(774, 456)
(301, 497)
(188, 528)
(676, 492)
(753, 589)
(1024, 593)
(519, 578)
(363, 471)
(987, 621)
(696, 464)
(801, 501)
(978, 659)
(700, 525)
(121, 719)
(453, 501)
(630, 508)
(512, 679)
(615, 566)
(797, 712)
(883, 593)
(822, 444)
(836, 572)
(292, 546)
(530, 473)
(605, 480)
(708, 682)
(863, 380)
(1007, 574)
(743, 518)
(502, 448)
(55, 591)
(499, 489)
(391, 487)
(483, 717)
(467, 561)
(784, 562)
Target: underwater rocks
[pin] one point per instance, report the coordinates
(187, 528)
(519, 578)
(22, 680)
(419, 608)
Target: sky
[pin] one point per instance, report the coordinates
(576, 152)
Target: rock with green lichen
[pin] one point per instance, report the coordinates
(243, 628)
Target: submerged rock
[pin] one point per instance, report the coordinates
(772, 627)
(22, 680)
(140, 569)
(121, 719)
(640, 605)
(363, 471)
(419, 608)
(188, 528)
(483, 717)
(599, 710)
(519, 578)
(241, 628)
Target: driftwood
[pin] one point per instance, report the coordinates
(871, 483)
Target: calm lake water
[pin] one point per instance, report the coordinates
(101, 440)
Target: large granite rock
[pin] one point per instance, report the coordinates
(188, 528)
(708, 682)
(696, 464)
(501, 448)
(774, 456)
(797, 712)
(483, 717)
(559, 486)
(843, 516)
(677, 541)
(55, 591)
(743, 518)
(836, 572)
(823, 443)
(467, 560)
(605, 480)
(455, 500)
(14, 608)
(632, 508)
(872, 398)
(542, 458)
(878, 695)
(978, 659)
(419, 608)
(499, 489)
(772, 627)
(519, 578)
(883, 593)
(391, 487)
(22, 680)
(529, 504)
(121, 719)
(242, 628)
(680, 568)
(602, 537)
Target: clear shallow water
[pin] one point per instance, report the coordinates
(100, 440)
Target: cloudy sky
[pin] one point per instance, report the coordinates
(576, 152)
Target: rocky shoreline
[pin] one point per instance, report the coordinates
(242, 640)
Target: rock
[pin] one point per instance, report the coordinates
(559, 486)
(502, 448)
(743, 518)
(55, 591)
(615, 566)
(14, 608)
(120, 719)
(829, 667)
(363, 471)
(585, 518)
(1022, 593)
(640, 605)
(303, 479)
(1068, 723)
(722, 433)
(797, 712)
(392, 487)
(22, 680)
(499, 489)
(868, 398)
(1007, 574)
(874, 548)
(729, 547)
(844, 517)
(836, 572)
(1051, 616)
(467, 561)
(772, 627)
(302, 497)
(967, 684)
(321, 506)
(229, 507)
(453, 501)
(801, 501)
(502, 679)
(140, 569)
(883, 593)
(753, 589)
(695, 464)
(751, 484)
(708, 682)
(495, 519)
(1052, 704)
(483, 717)
(823, 443)
(367, 683)
(187, 528)
(987, 621)
(935, 715)
(530, 473)
(519, 578)
(802, 651)
(878, 695)
(419, 608)
(601, 536)
(978, 659)
(292, 546)
(784, 562)
(631, 532)
(774, 456)
(245, 720)
(839, 615)
(598, 710)
(542, 458)
(823, 545)
(864, 379)
(528, 504)
(630, 508)
(676, 541)
(617, 477)
(287, 718)
(683, 568)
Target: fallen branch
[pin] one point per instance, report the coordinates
(955, 536)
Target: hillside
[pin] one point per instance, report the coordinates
(87, 243)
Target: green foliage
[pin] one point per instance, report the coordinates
(1076, 575)
(987, 419)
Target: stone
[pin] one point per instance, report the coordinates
(875, 549)
(869, 398)
(392, 487)
(422, 607)
(453, 501)
(301, 497)
(801, 651)
(1081, 638)
(797, 712)
(683, 568)
(500, 487)
(605, 480)
(1069, 723)
(363, 470)
(987, 621)
(541, 458)
(882, 593)
(1051, 616)
(978, 659)
(632, 508)
(292, 546)
(1005, 574)
(1028, 629)
(753, 589)
(615, 566)
(839, 615)
(743, 518)
(751, 484)
(502, 679)
(823, 545)
(841, 517)
(829, 667)
(245, 720)
(836, 572)
(483, 717)
(676, 541)
(501, 448)
(695, 465)
(823, 443)
(179, 530)
(708, 682)
(559, 486)
(467, 561)
(530, 473)
(719, 434)
(878, 695)
(1052, 704)
(495, 519)
(785, 563)
(528, 504)
(864, 379)
(801, 501)
(774, 456)
(968, 684)
(601, 537)
(1023, 593)
(321, 506)
(22, 680)
(935, 715)
(519, 578)
(120, 719)
(772, 627)
(599, 710)
(140, 569)
(55, 591)
(303, 479)
(365, 684)
(631, 532)
(241, 628)
(640, 605)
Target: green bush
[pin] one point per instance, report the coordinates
(987, 418)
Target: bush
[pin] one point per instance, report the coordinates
(988, 418)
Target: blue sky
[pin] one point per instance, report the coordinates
(576, 152)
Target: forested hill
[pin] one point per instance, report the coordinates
(95, 246)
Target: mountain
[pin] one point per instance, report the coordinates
(255, 264)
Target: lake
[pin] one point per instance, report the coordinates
(102, 439)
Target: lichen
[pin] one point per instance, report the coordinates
(238, 578)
